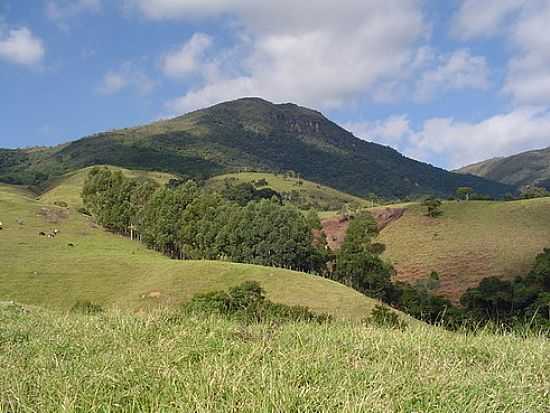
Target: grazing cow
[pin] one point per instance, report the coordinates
(70, 244)
(42, 234)
(56, 231)
(51, 235)
(1, 226)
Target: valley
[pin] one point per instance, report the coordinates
(212, 206)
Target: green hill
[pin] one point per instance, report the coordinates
(300, 192)
(84, 262)
(156, 363)
(528, 168)
(68, 188)
(468, 242)
(303, 193)
(247, 134)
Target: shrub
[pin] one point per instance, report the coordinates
(86, 307)
(61, 204)
(247, 302)
(382, 316)
(260, 182)
(84, 211)
(433, 206)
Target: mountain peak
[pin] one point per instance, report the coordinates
(254, 134)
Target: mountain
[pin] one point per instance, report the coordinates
(247, 134)
(527, 168)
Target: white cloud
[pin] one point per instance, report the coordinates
(460, 70)
(391, 131)
(528, 80)
(173, 9)
(525, 25)
(452, 143)
(21, 46)
(318, 55)
(127, 77)
(61, 10)
(484, 18)
(112, 83)
(188, 58)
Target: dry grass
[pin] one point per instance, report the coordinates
(470, 241)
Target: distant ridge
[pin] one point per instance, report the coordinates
(527, 168)
(248, 134)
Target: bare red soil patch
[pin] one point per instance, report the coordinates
(335, 228)
(386, 216)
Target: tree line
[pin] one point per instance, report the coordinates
(189, 222)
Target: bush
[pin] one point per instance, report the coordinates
(260, 182)
(86, 307)
(61, 204)
(382, 316)
(247, 302)
(84, 211)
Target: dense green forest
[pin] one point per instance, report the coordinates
(247, 135)
(187, 221)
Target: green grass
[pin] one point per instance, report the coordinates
(116, 272)
(316, 195)
(53, 362)
(469, 241)
(69, 187)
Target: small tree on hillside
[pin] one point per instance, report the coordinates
(345, 212)
(464, 192)
(433, 206)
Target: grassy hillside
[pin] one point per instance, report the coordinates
(308, 193)
(114, 271)
(470, 241)
(248, 134)
(119, 362)
(528, 168)
(68, 187)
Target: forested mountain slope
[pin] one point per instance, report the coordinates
(248, 134)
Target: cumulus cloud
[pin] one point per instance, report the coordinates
(318, 55)
(21, 46)
(460, 70)
(392, 131)
(127, 77)
(525, 25)
(187, 59)
(452, 143)
(528, 79)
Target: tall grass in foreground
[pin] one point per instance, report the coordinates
(51, 362)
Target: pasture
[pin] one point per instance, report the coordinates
(116, 272)
(160, 363)
(468, 242)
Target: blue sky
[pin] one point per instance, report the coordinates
(446, 82)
